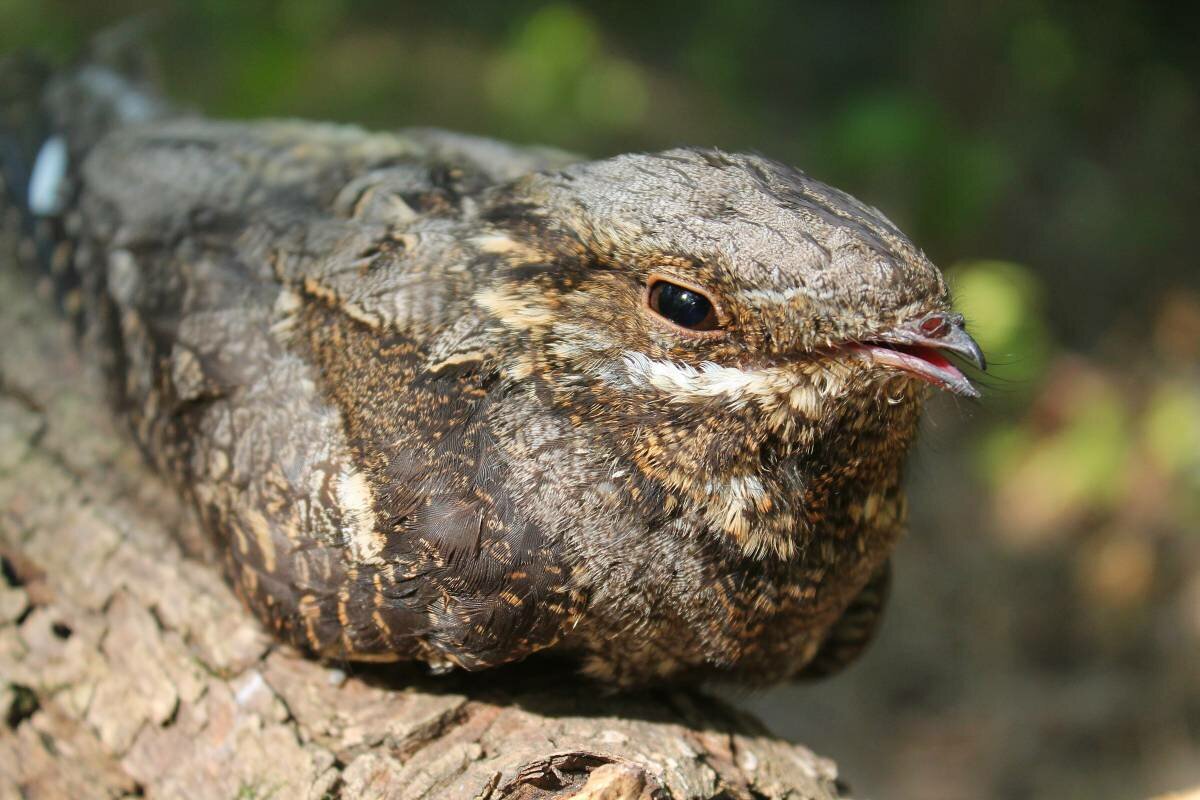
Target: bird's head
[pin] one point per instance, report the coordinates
(754, 344)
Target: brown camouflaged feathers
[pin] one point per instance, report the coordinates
(443, 399)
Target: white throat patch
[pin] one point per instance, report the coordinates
(769, 388)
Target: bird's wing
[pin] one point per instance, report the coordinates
(272, 297)
(854, 630)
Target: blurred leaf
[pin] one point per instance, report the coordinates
(883, 129)
(1000, 450)
(557, 39)
(31, 23)
(311, 20)
(1002, 302)
(612, 94)
(1045, 479)
(1116, 570)
(554, 79)
(1177, 328)
(1042, 54)
(898, 143)
(1171, 427)
(266, 77)
(966, 178)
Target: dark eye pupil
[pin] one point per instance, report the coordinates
(682, 306)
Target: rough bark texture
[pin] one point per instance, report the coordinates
(127, 666)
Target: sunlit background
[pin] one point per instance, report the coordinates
(1044, 635)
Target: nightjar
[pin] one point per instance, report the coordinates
(444, 399)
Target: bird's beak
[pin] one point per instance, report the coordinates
(916, 347)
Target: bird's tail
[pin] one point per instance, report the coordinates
(49, 121)
(24, 126)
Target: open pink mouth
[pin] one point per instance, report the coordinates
(921, 361)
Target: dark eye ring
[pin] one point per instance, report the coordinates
(683, 306)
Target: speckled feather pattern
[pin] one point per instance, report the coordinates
(409, 382)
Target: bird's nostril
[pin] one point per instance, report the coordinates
(936, 326)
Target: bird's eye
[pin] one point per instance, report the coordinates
(687, 308)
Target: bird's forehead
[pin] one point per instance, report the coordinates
(774, 232)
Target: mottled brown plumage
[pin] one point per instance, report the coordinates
(423, 391)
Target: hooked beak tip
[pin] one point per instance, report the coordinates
(965, 345)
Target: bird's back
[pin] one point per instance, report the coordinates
(211, 266)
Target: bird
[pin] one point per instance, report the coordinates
(443, 399)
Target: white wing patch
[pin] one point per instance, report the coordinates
(357, 503)
(46, 181)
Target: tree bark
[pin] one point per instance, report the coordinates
(127, 667)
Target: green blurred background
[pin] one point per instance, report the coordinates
(1044, 636)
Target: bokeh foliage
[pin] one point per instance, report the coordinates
(1045, 639)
